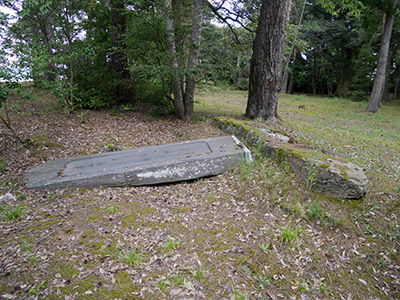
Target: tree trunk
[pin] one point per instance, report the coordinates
(391, 62)
(176, 82)
(238, 68)
(291, 81)
(118, 57)
(284, 84)
(396, 87)
(267, 60)
(379, 80)
(197, 24)
(328, 82)
(343, 85)
(314, 76)
(346, 74)
(50, 70)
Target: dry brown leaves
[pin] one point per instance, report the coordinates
(215, 238)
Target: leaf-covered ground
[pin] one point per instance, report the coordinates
(252, 233)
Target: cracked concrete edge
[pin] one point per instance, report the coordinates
(333, 176)
(224, 153)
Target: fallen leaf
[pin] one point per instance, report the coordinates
(362, 281)
(272, 295)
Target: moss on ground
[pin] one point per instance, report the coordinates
(238, 124)
(123, 288)
(45, 141)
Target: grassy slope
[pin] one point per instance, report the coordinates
(337, 125)
(252, 233)
(342, 128)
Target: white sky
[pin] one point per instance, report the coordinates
(12, 16)
(7, 11)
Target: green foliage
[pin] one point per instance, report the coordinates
(383, 262)
(262, 281)
(290, 235)
(243, 84)
(2, 165)
(340, 6)
(132, 257)
(171, 245)
(198, 274)
(14, 213)
(178, 279)
(238, 296)
(314, 210)
(162, 284)
(37, 289)
(112, 209)
(265, 247)
(96, 88)
(358, 95)
(222, 60)
(311, 177)
(367, 229)
(338, 42)
(7, 86)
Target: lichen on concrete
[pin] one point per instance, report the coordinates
(333, 176)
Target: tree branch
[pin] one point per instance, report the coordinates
(14, 134)
(225, 19)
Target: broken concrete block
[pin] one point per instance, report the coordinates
(142, 166)
(331, 175)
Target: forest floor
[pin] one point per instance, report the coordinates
(254, 232)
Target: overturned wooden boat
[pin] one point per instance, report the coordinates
(143, 166)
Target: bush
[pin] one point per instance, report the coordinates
(243, 84)
(358, 95)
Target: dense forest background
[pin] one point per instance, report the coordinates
(97, 54)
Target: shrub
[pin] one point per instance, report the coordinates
(358, 95)
(243, 84)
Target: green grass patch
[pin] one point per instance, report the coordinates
(170, 245)
(13, 213)
(132, 258)
(290, 235)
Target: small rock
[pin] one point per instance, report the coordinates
(7, 197)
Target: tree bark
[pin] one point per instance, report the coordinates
(314, 76)
(391, 62)
(50, 70)
(197, 24)
(267, 60)
(291, 81)
(239, 71)
(396, 87)
(343, 85)
(176, 82)
(379, 81)
(285, 82)
(346, 74)
(118, 58)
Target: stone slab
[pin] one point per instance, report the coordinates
(142, 166)
(330, 175)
